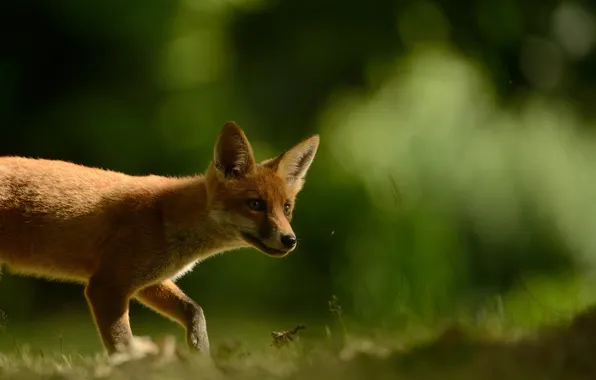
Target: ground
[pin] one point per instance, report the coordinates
(561, 351)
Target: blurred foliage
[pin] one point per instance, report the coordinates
(456, 162)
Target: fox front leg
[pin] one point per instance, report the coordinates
(169, 300)
(109, 306)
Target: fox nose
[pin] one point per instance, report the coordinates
(289, 241)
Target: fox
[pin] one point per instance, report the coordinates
(130, 237)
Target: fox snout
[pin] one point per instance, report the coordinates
(288, 241)
(274, 242)
(277, 245)
(284, 241)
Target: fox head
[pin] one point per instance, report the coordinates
(253, 202)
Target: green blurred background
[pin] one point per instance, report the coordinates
(455, 176)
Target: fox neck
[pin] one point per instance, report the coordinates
(190, 230)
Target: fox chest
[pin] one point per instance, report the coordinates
(185, 269)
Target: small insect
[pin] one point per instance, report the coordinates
(282, 338)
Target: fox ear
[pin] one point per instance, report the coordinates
(233, 155)
(293, 164)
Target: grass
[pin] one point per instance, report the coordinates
(561, 351)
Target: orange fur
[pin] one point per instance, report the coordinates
(129, 237)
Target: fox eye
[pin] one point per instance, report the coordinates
(256, 204)
(287, 208)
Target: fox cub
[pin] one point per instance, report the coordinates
(127, 237)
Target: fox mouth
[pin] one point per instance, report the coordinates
(258, 243)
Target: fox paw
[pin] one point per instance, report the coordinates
(198, 340)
